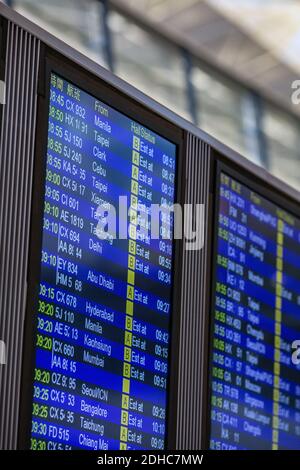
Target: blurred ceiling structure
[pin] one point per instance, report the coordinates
(257, 41)
(225, 65)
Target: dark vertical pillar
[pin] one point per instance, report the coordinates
(107, 44)
(190, 91)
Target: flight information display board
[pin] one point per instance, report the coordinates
(104, 305)
(255, 387)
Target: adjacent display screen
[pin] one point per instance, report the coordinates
(104, 306)
(255, 386)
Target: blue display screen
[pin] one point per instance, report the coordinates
(104, 304)
(255, 388)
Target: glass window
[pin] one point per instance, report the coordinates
(151, 65)
(282, 132)
(225, 111)
(76, 22)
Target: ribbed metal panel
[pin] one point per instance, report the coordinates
(193, 306)
(16, 168)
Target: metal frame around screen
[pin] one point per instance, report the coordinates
(52, 61)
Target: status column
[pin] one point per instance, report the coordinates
(278, 318)
(130, 292)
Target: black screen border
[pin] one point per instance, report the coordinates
(257, 184)
(52, 61)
